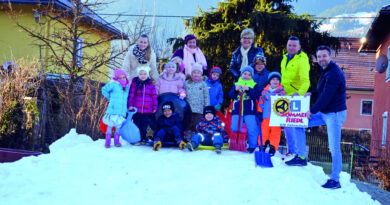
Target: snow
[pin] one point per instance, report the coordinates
(81, 171)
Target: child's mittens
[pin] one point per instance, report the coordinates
(182, 95)
(217, 107)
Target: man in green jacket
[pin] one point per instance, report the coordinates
(295, 69)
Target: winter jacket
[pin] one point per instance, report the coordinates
(295, 73)
(165, 85)
(331, 91)
(117, 97)
(265, 99)
(197, 95)
(261, 78)
(174, 120)
(130, 64)
(209, 128)
(215, 91)
(249, 102)
(235, 62)
(145, 99)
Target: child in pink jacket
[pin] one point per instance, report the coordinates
(170, 81)
(143, 96)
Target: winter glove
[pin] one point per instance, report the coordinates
(217, 107)
(225, 140)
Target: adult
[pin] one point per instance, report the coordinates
(244, 54)
(295, 69)
(190, 54)
(330, 109)
(140, 55)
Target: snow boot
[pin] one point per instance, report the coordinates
(271, 150)
(116, 140)
(108, 140)
(157, 145)
(331, 184)
(182, 145)
(190, 146)
(218, 149)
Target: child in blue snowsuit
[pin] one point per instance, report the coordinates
(215, 88)
(250, 92)
(169, 123)
(116, 91)
(209, 131)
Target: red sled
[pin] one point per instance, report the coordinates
(237, 139)
(103, 127)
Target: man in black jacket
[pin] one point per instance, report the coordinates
(330, 109)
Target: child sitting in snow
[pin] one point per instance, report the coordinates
(209, 132)
(170, 81)
(197, 97)
(168, 124)
(249, 90)
(215, 88)
(116, 92)
(271, 135)
(143, 96)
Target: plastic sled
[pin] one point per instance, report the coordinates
(103, 127)
(226, 146)
(129, 131)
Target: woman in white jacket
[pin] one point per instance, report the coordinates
(140, 54)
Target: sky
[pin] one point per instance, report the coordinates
(80, 171)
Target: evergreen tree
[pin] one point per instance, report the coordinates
(218, 32)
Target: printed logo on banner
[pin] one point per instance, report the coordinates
(295, 106)
(281, 105)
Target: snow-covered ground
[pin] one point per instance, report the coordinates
(81, 171)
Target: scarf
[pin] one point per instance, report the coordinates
(139, 54)
(244, 53)
(251, 84)
(123, 82)
(188, 58)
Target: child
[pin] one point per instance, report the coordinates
(197, 97)
(170, 82)
(168, 123)
(116, 92)
(143, 96)
(210, 131)
(180, 66)
(250, 92)
(215, 88)
(270, 135)
(260, 71)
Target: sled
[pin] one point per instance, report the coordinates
(103, 127)
(226, 146)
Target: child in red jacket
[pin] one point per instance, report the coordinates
(143, 96)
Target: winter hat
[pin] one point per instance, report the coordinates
(261, 57)
(247, 68)
(273, 75)
(118, 72)
(197, 66)
(209, 109)
(189, 37)
(215, 70)
(168, 105)
(144, 68)
(171, 63)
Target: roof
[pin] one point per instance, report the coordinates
(358, 67)
(378, 30)
(92, 18)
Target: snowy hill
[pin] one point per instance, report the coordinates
(81, 171)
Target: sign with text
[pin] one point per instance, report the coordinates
(287, 111)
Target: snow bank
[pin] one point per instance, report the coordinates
(81, 171)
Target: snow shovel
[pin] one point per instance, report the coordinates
(263, 159)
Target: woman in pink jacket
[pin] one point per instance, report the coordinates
(170, 81)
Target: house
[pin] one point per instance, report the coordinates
(377, 40)
(360, 90)
(16, 44)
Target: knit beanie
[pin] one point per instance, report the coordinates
(197, 66)
(168, 105)
(215, 70)
(209, 109)
(171, 63)
(189, 37)
(144, 68)
(247, 68)
(273, 75)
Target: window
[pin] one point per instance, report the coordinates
(366, 107)
(388, 64)
(79, 54)
(384, 129)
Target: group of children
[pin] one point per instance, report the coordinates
(250, 94)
